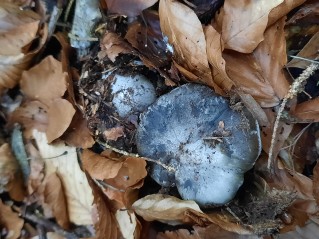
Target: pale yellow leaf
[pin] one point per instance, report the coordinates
(164, 208)
(63, 159)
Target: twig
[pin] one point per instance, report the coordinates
(295, 88)
(167, 167)
(305, 59)
(49, 225)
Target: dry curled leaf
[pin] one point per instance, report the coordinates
(55, 201)
(215, 48)
(103, 219)
(164, 208)
(100, 167)
(244, 23)
(308, 110)
(184, 31)
(10, 221)
(45, 81)
(261, 73)
(63, 160)
(19, 31)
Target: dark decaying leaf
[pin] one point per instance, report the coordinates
(129, 8)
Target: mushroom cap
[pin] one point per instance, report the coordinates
(209, 144)
(132, 94)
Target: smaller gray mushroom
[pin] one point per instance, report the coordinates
(209, 144)
(131, 94)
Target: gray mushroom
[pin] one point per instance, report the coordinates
(131, 94)
(209, 144)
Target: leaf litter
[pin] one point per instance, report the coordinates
(81, 166)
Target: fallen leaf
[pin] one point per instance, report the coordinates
(113, 133)
(184, 31)
(164, 208)
(10, 221)
(20, 31)
(127, 223)
(146, 36)
(215, 48)
(112, 45)
(60, 114)
(309, 51)
(55, 200)
(306, 13)
(130, 8)
(31, 115)
(104, 221)
(261, 73)
(282, 10)
(63, 160)
(130, 175)
(78, 134)
(308, 110)
(10, 176)
(45, 81)
(100, 167)
(244, 23)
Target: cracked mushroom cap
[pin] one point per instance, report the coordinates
(209, 144)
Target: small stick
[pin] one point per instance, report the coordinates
(295, 88)
(167, 167)
(49, 225)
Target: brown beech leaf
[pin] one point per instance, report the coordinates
(60, 114)
(282, 10)
(63, 160)
(19, 31)
(130, 8)
(308, 110)
(45, 81)
(244, 23)
(260, 73)
(164, 208)
(112, 45)
(10, 177)
(307, 13)
(78, 134)
(104, 221)
(146, 36)
(100, 167)
(215, 48)
(55, 200)
(184, 31)
(113, 133)
(31, 115)
(10, 221)
(130, 175)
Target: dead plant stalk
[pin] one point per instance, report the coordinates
(295, 88)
